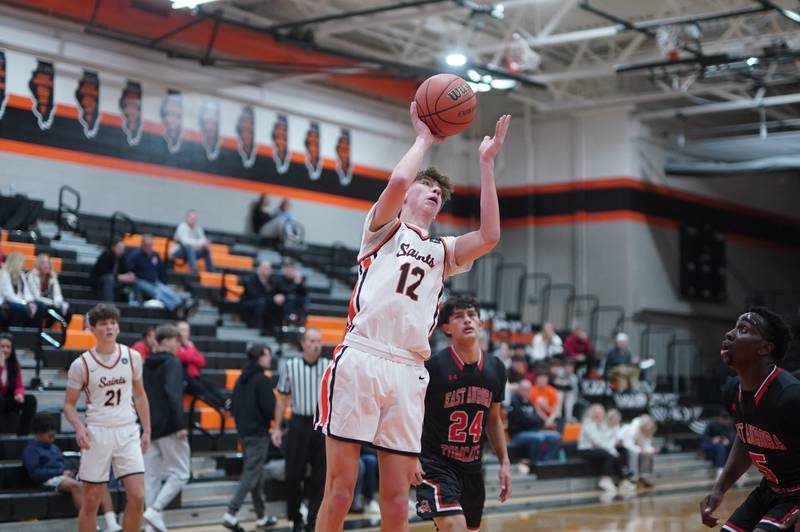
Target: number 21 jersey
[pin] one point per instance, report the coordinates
(109, 387)
(401, 274)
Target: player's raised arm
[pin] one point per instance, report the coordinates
(391, 199)
(472, 245)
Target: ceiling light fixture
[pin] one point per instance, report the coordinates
(456, 59)
(181, 4)
(504, 84)
(752, 61)
(473, 75)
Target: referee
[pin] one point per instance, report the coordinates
(299, 383)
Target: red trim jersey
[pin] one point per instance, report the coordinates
(107, 384)
(457, 404)
(768, 424)
(395, 303)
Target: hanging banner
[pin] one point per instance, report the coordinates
(88, 96)
(42, 83)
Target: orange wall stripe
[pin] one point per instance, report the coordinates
(111, 163)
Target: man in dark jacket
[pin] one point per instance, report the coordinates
(169, 454)
(525, 428)
(252, 407)
(150, 277)
(110, 272)
(262, 302)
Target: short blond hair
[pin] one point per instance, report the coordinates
(444, 182)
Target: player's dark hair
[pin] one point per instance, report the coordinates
(456, 303)
(442, 180)
(102, 311)
(777, 331)
(256, 351)
(166, 331)
(42, 422)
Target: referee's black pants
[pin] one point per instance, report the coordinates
(304, 446)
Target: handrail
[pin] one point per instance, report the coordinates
(335, 248)
(571, 300)
(547, 292)
(64, 208)
(594, 319)
(650, 331)
(498, 278)
(125, 218)
(222, 297)
(473, 279)
(523, 288)
(195, 425)
(44, 335)
(672, 361)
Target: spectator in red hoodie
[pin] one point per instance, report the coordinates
(193, 362)
(147, 344)
(16, 407)
(578, 348)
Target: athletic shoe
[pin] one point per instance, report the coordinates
(155, 519)
(266, 521)
(607, 485)
(231, 523)
(626, 486)
(373, 507)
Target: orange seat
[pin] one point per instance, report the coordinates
(572, 431)
(209, 419)
(3, 235)
(331, 328)
(30, 260)
(19, 247)
(76, 323)
(82, 340)
(220, 249)
(235, 262)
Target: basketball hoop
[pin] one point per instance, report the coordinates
(519, 57)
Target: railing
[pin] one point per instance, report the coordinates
(499, 273)
(194, 425)
(222, 296)
(63, 208)
(673, 364)
(572, 304)
(118, 215)
(336, 249)
(477, 278)
(44, 335)
(594, 320)
(522, 299)
(547, 295)
(648, 347)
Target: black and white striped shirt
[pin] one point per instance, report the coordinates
(302, 380)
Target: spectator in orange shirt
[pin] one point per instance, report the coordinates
(544, 399)
(193, 362)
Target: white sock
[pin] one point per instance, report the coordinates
(111, 519)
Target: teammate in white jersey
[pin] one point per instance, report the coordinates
(110, 376)
(374, 390)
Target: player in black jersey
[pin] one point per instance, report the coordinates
(462, 410)
(765, 404)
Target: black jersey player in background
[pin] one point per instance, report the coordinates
(462, 410)
(765, 404)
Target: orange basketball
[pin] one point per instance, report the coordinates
(446, 104)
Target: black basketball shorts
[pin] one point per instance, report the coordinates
(447, 489)
(765, 509)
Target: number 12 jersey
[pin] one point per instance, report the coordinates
(395, 302)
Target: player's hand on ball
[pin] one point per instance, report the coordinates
(505, 482)
(418, 474)
(491, 145)
(420, 128)
(83, 438)
(708, 506)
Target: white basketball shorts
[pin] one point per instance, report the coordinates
(111, 446)
(369, 398)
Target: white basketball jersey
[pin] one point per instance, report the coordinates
(400, 282)
(109, 389)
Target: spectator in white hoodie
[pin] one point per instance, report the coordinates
(546, 343)
(44, 286)
(597, 446)
(637, 438)
(17, 304)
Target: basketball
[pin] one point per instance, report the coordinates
(446, 104)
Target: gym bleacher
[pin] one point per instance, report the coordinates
(219, 334)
